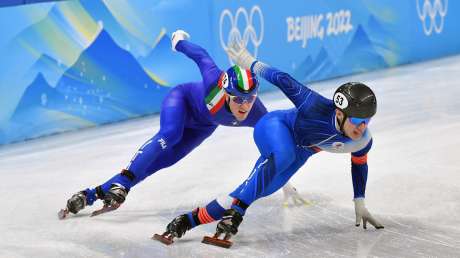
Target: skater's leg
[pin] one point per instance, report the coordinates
(185, 222)
(276, 182)
(232, 217)
(203, 215)
(278, 152)
(172, 122)
(213, 211)
(190, 140)
(283, 177)
(269, 174)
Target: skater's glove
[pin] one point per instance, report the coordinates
(292, 195)
(240, 55)
(363, 214)
(177, 36)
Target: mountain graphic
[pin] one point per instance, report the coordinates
(99, 12)
(105, 84)
(48, 67)
(375, 28)
(38, 113)
(303, 69)
(317, 69)
(38, 94)
(322, 66)
(167, 64)
(382, 41)
(359, 56)
(107, 78)
(70, 36)
(56, 35)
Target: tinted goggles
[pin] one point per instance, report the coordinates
(241, 99)
(357, 121)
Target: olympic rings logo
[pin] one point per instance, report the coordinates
(430, 10)
(243, 36)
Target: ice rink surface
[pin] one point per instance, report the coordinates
(413, 185)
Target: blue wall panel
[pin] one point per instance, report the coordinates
(73, 64)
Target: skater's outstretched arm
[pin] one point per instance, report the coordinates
(209, 70)
(359, 170)
(298, 93)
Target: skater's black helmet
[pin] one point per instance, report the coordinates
(355, 99)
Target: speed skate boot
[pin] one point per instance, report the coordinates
(75, 204)
(176, 228)
(228, 225)
(112, 199)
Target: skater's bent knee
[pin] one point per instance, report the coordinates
(169, 136)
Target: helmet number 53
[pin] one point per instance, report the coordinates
(339, 100)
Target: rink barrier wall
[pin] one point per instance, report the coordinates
(74, 64)
(4, 3)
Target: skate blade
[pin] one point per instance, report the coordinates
(217, 242)
(304, 202)
(103, 210)
(63, 213)
(297, 203)
(163, 239)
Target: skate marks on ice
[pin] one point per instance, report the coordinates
(123, 233)
(326, 230)
(321, 229)
(268, 230)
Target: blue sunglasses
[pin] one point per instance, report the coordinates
(357, 121)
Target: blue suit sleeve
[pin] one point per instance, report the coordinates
(209, 70)
(298, 93)
(359, 170)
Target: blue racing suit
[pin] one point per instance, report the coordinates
(189, 114)
(286, 139)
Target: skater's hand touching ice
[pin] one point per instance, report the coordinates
(292, 195)
(363, 214)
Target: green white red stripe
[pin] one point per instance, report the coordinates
(245, 80)
(216, 98)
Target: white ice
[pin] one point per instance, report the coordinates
(413, 185)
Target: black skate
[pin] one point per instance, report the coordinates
(175, 228)
(112, 199)
(75, 204)
(228, 226)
